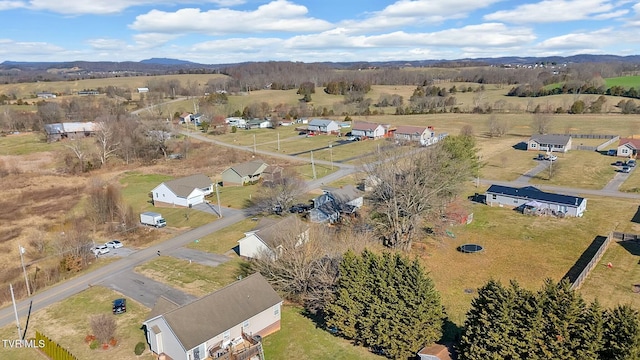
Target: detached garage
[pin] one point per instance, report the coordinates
(183, 192)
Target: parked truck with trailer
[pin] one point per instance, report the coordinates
(152, 219)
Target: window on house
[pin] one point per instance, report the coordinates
(245, 324)
(494, 196)
(515, 201)
(533, 145)
(226, 335)
(276, 310)
(156, 194)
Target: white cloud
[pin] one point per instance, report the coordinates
(8, 5)
(559, 10)
(276, 16)
(78, 7)
(106, 44)
(414, 12)
(583, 41)
(11, 49)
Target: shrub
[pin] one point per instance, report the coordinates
(94, 344)
(139, 348)
(89, 338)
(113, 342)
(105, 346)
(103, 327)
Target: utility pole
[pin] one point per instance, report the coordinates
(218, 197)
(278, 141)
(331, 155)
(24, 269)
(313, 166)
(15, 311)
(254, 144)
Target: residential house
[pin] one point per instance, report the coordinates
(329, 206)
(424, 135)
(185, 118)
(258, 124)
(45, 95)
(88, 92)
(141, 90)
(230, 321)
(368, 129)
(531, 196)
(236, 121)
(269, 236)
(197, 118)
(434, 352)
(69, 130)
(628, 147)
(550, 143)
(184, 192)
(323, 126)
(245, 173)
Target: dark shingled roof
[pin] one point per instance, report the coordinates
(346, 193)
(271, 231)
(530, 192)
(213, 314)
(248, 168)
(184, 186)
(363, 125)
(162, 306)
(551, 139)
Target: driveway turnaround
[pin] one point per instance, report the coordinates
(197, 256)
(143, 289)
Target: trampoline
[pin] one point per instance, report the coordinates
(470, 248)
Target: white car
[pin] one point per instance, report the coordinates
(114, 244)
(551, 158)
(100, 250)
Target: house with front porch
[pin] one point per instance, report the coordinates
(226, 324)
(241, 174)
(512, 197)
(271, 237)
(550, 143)
(628, 147)
(424, 135)
(325, 126)
(368, 130)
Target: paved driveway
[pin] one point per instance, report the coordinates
(198, 256)
(144, 289)
(617, 180)
(213, 209)
(542, 165)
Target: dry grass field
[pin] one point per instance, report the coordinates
(67, 323)
(581, 169)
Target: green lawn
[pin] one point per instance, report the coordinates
(236, 197)
(624, 81)
(300, 338)
(224, 240)
(194, 278)
(26, 143)
(67, 323)
(581, 169)
(525, 248)
(135, 190)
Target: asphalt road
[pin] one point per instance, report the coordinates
(143, 289)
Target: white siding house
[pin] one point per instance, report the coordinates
(628, 148)
(420, 134)
(224, 322)
(324, 126)
(183, 192)
(266, 238)
(367, 129)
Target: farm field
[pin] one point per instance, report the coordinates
(67, 323)
(624, 81)
(524, 248)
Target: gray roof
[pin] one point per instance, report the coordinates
(551, 139)
(162, 305)
(364, 126)
(320, 122)
(345, 193)
(249, 168)
(79, 126)
(270, 231)
(184, 186)
(54, 128)
(213, 314)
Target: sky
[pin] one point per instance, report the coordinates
(231, 31)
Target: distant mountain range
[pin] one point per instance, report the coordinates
(163, 64)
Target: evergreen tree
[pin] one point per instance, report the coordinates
(387, 302)
(621, 334)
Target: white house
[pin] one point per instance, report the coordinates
(236, 121)
(368, 129)
(324, 126)
(267, 238)
(550, 143)
(228, 322)
(628, 148)
(421, 134)
(184, 192)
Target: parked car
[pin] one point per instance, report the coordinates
(551, 157)
(539, 157)
(626, 169)
(302, 133)
(631, 163)
(353, 138)
(619, 163)
(114, 244)
(612, 152)
(100, 250)
(119, 306)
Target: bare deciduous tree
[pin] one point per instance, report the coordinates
(103, 327)
(497, 127)
(106, 139)
(409, 188)
(541, 122)
(280, 192)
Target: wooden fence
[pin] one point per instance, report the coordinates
(52, 349)
(613, 236)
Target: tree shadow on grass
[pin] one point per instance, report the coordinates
(636, 216)
(632, 246)
(520, 146)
